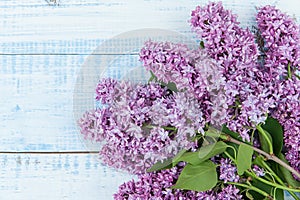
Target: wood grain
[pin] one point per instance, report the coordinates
(79, 26)
(57, 177)
(36, 113)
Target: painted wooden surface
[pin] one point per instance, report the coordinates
(56, 176)
(42, 49)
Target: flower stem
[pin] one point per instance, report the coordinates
(289, 71)
(253, 175)
(277, 178)
(218, 134)
(264, 134)
(267, 156)
(250, 187)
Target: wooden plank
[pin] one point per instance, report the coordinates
(34, 27)
(36, 104)
(57, 177)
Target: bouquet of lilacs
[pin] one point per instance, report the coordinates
(218, 122)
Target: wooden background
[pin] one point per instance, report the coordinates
(42, 49)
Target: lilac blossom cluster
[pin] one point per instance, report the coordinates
(288, 114)
(141, 124)
(228, 172)
(157, 186)
(282, 59)
(281, 41)
(237, 52)
(193, 71)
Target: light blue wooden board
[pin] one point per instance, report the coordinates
(80, 26)
(36, 106)
(36, 111)
(57, 177)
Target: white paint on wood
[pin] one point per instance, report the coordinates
(57, 177)
(79, 26)
(36, 103)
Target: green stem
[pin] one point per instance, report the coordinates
(289, 71)
(164, 127)
(263, 134)
(169, 128)
(226, 137)
(253, 175)
(251, 188)
(277, 178)
(266, 166)
(229, 156)
(267, 156)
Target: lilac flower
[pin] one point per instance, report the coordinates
(193, 71)
(288, 114)
(105, 89)
(95, 124)
(230, 192)
(149, 186)
(224, 40)
(228, 171)
(236, 51)
(258, 171)
(143, 124)
(281, 37)
(169, 61)
(156, 185)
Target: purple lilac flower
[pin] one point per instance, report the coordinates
(157, 186)
(134, 126)
(288, 114)
(236, 51)
(228, 171)
(169, 62)
(193, 71)
(281, 37)
(94, 124)
(105, 89)
(258, 171)
(230, 192)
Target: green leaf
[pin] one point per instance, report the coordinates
(259, 161)
(273, 127)
(249, 195)
(202, 45)
(203, 154)
(172, 86)
(166, 164)
(200, 177)
(211, 150)
(262, 186)
(176, 159)
(279, 194)
(287, 174)
(244, 158)
(231, 133)
(153, 77)
(263, 142)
